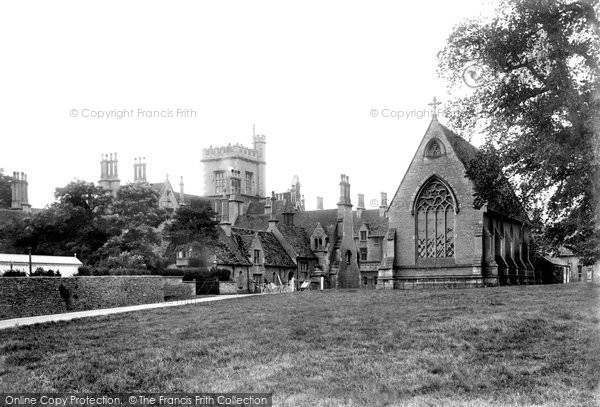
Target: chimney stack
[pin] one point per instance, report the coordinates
(268, 206)
(319, 203)
(109, 175)
(345, 190)
(181, 194)
(272, 218)
(361, 205)
(383, 204)
(18, 186)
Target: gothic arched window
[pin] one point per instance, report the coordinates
(435, 221)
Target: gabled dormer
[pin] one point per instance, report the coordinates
(318, 239)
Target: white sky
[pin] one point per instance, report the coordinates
(307, 73)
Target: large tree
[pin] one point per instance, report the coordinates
(533, 69)
(134, 217)
(74, 224)
(190, 223)
(5, 190)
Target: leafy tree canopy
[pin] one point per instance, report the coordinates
(534, 72)
(191, 222)
(5, 191)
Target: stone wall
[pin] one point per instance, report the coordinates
(177, 289)
(29, 296)
(226, 287)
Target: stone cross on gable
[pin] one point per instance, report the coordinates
(434, 106)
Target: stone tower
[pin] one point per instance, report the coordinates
(260, 142)
(221, 164)
(109, 174)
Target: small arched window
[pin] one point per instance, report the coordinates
(435, 148)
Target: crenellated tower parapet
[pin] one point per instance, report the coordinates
(248, 165)
(232, 151)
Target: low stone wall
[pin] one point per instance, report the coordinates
(177, 289)
(29, 296)
(226, 287)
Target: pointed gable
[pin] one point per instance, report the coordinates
(448, 165)
(167, 198)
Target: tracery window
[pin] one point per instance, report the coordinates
(435, 222)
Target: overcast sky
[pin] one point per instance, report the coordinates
(308, 74)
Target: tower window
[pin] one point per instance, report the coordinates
(435, 222)
(249, 182)
(219, 179)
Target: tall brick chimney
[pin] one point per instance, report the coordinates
(361, 205)
(319, 203)
(383, 204)
(19, 186)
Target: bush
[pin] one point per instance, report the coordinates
(14, 273)
(40, 272)
(84, 271)
(200, 273)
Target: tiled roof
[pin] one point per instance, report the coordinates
(298, 238)
(309, 219)
(376, 224)
(252, 222)
(256, 208)
(466, 152)
(224, 248)
(274, 253)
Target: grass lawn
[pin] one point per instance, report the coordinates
(529, 345)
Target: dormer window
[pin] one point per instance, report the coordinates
(435, 148)
(363, 235)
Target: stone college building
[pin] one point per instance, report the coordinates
(428, 234)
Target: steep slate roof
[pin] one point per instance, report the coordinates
(309, 219)
(466, 152)
(298, 238)
(225, 249)
(258, 208)
(377, 225)
(158, 186)
(274, 253)
(253, 222)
